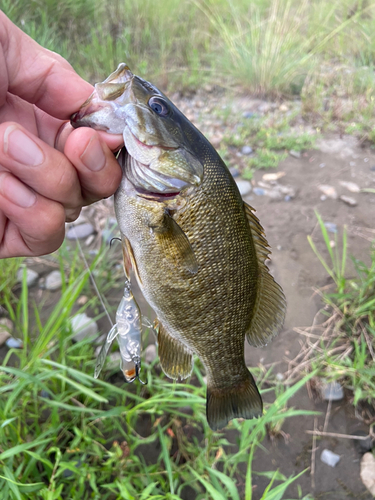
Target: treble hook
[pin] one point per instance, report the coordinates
(110, 243)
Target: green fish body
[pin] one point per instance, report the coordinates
(196, 248)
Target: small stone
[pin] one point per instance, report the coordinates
(13, 343)
(367, 472)
(287, 198)
(273, 176)
(323, 197)
(352, 163)
(31, 276)
(331, 227)
(295, 154)
(280, 377)
(351, 186)
(348, 200)
(82, 300)
(45, 394)
(363, 445)
(83, 327)
(372, 168)
(283, 107)
(244, 187)
(89, 240)
(322, 165)
(234, 172)
(246, 150)
(149, 354)
(259, 191)
(332, 391)
(6, 328)
(248, 114)
(80, 231)
(329, 458)
(366, 160)
(53, 281)
(328, 191)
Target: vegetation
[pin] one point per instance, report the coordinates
(345, 350)
(65, 434)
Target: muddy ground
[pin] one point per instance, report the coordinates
(287, 222)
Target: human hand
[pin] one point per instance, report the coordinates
(48, 171)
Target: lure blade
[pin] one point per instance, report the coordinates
(104, 350)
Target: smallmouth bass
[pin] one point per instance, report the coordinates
(197, 250)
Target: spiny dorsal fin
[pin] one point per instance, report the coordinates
(270, 305)
(175, 359)
(175, 244)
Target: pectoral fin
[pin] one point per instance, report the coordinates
(175, 359)
(270, 304)
(175, 244)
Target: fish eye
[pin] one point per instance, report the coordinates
(159, 106)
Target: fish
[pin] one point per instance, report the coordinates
(197, 250)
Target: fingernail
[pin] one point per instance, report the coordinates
(15, 191)
(21, 148)
(93, 156)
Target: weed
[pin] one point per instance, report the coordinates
(348, 340)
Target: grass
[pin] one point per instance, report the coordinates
(64, 434)
(346, 350)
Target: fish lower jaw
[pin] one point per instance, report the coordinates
(143, 193)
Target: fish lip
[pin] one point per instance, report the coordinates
(166, 148)
(150, 195)
(81, 118)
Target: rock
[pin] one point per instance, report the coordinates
(246, 150)
(367, 472)
(6, 328)
(80, 231)
(273, 177)
(83, 327)
(287, 198)
(149, 353)
(13, 343)
(328, 191)
(31, 276)
(295, 154)
(280, 376)
(259, 191)
(53, 281)
(283, 108)
(348, 200)
(331, 227)
(332, 391)
(372, 168)
(351, 186)
(329, 458)
(45, 394)
(323, 197)
(234, 172)
(322, 165)
(244, 187)
(248, 114)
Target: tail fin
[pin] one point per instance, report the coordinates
(242, 400)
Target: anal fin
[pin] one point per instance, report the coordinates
(175, 359)
(240, 401)
(270, 305)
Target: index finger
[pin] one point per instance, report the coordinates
(38, 75)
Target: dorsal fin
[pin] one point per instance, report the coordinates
(270, 304)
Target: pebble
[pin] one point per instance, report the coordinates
(234, 171)
(323, 197)
(53, 281)
(31, 276)
(363, 445)
(246, 150)
(330, 458)
(280, 377)
(80, 231)
(259, 191)
(295, 154)
(6, 328)
(45, 394)
(13, 343)
(273, 177)
(331, 227)
(328, 191)
(248, 114)
(322, 165)
(283, 107)
(332, 391)
(352, 163)
(348, 200)
(83, 327)
(351, 186)
(367, 472)
(244, 187)
(149, 354)
(372, 168)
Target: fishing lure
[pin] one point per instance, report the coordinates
(128, 331)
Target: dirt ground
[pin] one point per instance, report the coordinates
(287, 225)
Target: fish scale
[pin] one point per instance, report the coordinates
(198, 253)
